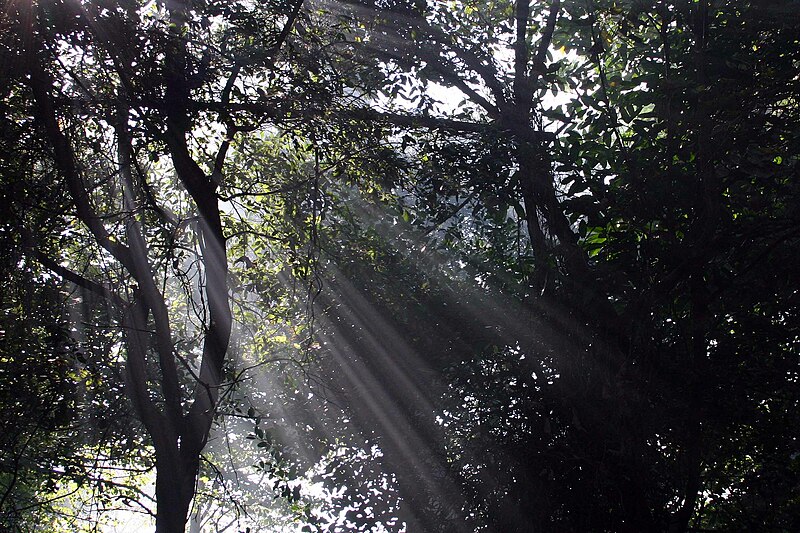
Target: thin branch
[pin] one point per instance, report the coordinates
(455, 211)
(163, 213)
(437, 123)
(470, 59)
(73, 277)
(64, 157)
(434, 61)
(279, 190)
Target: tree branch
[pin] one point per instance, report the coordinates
(73, 277)
(547, 36)
(147, 284)
(472, 61)
(64, 157)
(214, 256)
(134, 322)
(522, 92)
(423, 121)
(287, 28)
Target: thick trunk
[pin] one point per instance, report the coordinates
(175, 484)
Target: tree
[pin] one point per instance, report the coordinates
(540, 315)
(637, 243)
(95, 75)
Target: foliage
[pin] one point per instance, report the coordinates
(564, 302)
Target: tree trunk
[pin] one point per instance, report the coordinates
(175, 484)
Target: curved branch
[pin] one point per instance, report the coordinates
(64, 157)
(148, 288)
(73, 277)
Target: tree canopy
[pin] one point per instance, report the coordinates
(400, 265)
